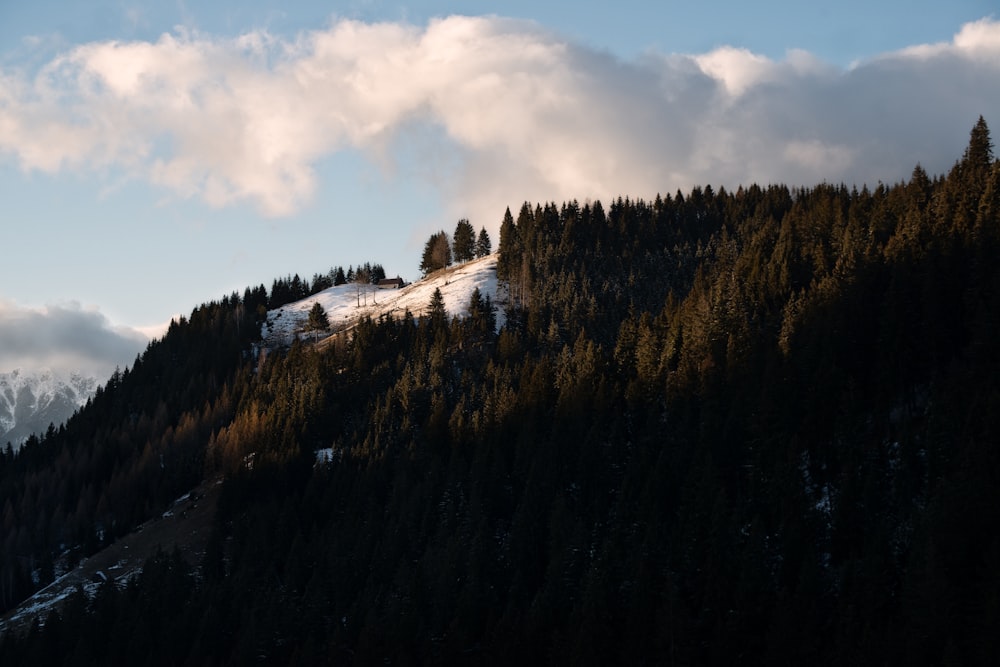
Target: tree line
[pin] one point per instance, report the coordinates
(463, 246)
(293, 288)
(749, 427)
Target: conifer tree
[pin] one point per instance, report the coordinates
(436, 312)
(483, 244)
(464, 241)
(436, 306)
(318, 319)
(320, 283)
(509, 259)
(437, 253)
(978, 156)
(973, 172)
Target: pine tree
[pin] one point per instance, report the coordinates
(972, 173)
(320, 283)
(437, 253)
(510, 257)
(978, 156)
(436, 312)
(299, 290)
(318, 319)
(483, 244)
(464, 242)
(989, 205)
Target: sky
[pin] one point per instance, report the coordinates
(158, 155)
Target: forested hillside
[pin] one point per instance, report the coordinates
(750, 427)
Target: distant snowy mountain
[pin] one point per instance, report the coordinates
(345, 304)
(30, 401)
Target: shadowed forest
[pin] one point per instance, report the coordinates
(750, 427)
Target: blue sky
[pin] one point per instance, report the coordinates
(155, 155)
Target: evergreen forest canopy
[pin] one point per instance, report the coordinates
(749, 427)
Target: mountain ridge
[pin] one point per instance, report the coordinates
(747, 427)
(32, 400)
(457, 284)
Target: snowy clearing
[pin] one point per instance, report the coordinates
(346, 304)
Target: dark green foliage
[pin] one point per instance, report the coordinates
(339, 277)
(483, 244)
(140, 624)
(435, 310)
(978, 157)
(321, 282)
(464, 242)
(287, 290)
(367, 273)
(318, 319)
(292, 288)
(137, 445)
(437, 253)
(509, 247)
(751, 427)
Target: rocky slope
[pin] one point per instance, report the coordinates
(30, 401)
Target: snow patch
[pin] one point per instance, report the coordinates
(30, 401)
(344, 305)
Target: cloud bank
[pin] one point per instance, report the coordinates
(66, 338)
(499, 111)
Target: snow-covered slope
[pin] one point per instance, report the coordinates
(29, 402)
(345, 304)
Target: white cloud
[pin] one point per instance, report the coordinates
(504, 110)
(976, 40)
(979, 37)
(737, 69)
(65, 337)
